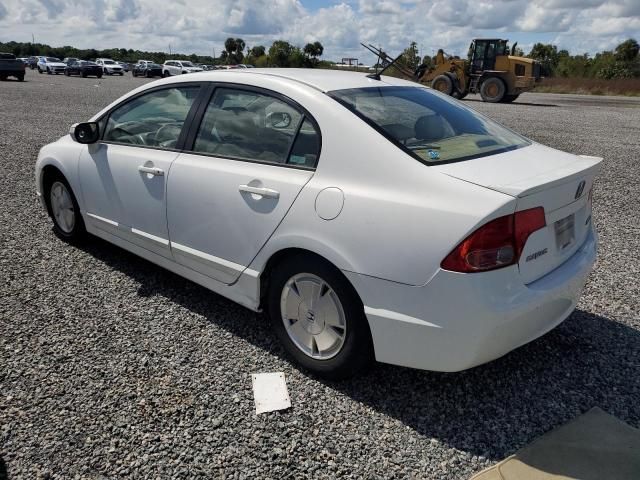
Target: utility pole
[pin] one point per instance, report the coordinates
(169, 49)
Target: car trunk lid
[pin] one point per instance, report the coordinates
(539, 176)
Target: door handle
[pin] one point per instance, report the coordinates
(263, 192)
(151, 170)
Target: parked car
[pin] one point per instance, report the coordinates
(83, 68)
(51, 65)
(147, 69)
(10, 66)
(32, 62)
(68, 60)
(178, 67)
(109, 67)
(430, 236)
(125, 66)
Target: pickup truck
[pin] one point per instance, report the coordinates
(11, 67)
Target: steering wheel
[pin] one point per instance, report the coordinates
(164, 128)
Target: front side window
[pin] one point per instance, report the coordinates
(431, 127)
(154, 119)
(256, 126)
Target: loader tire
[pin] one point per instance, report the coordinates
(492, 90)
(443, 84)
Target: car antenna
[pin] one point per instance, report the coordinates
(385, 59)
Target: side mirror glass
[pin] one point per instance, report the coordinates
(278, 119)
(86, 132)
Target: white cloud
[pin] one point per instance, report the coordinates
(201, 25)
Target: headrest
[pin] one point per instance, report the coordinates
(430, 127)
(241, 125)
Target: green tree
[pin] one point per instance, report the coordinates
(279, 53)
(411, 57)
(232, 53)
(312, 52)
(627, 51)
(257, 51)
(546, 54)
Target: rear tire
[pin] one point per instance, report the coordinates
(84, 74)
(333, 314)
(21, 78)
(48, 71)
(64, 210)
(443, 84)
(492, 90)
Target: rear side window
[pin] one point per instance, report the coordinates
(154, 119)
(427, 125)
(256, 126)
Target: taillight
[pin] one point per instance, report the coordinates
(496, 244)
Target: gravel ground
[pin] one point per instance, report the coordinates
(113, 367)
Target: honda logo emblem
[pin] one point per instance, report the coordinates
(580, 190)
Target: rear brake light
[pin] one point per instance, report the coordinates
(496, 244)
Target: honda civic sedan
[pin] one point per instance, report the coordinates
(370, 218)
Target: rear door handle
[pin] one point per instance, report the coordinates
(158, 172)
(263, 192)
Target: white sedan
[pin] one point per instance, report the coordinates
(370, 218)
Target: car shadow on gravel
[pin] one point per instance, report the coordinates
(491, 410)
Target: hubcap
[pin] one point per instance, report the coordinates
(313, 316)
(492, 90)
(62, 207)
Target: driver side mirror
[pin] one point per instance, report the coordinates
(86, 132)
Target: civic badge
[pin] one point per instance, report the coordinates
(580, 190)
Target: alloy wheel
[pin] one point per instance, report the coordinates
(313, 316)
(62, 207)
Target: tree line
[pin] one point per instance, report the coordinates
(280, 54)
(622, 62)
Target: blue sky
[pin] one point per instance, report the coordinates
(200, 26)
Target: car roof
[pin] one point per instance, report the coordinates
(321, 79)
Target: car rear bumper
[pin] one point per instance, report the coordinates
(458, 321)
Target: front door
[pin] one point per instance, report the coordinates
(123, 177)
(252, 155)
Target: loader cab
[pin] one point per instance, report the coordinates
(483, 53)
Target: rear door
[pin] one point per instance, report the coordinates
(251, 155)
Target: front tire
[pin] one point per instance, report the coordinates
(64, 210)
(319, 318)
(443, 84)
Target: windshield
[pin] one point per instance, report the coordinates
(187, 64)
(429, 126)
(84, 62)
(108, 62)
(52, 59)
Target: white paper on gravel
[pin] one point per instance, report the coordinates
(270, 392)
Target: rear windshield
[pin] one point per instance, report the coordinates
(428, 125)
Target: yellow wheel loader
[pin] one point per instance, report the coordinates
(490, 70)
